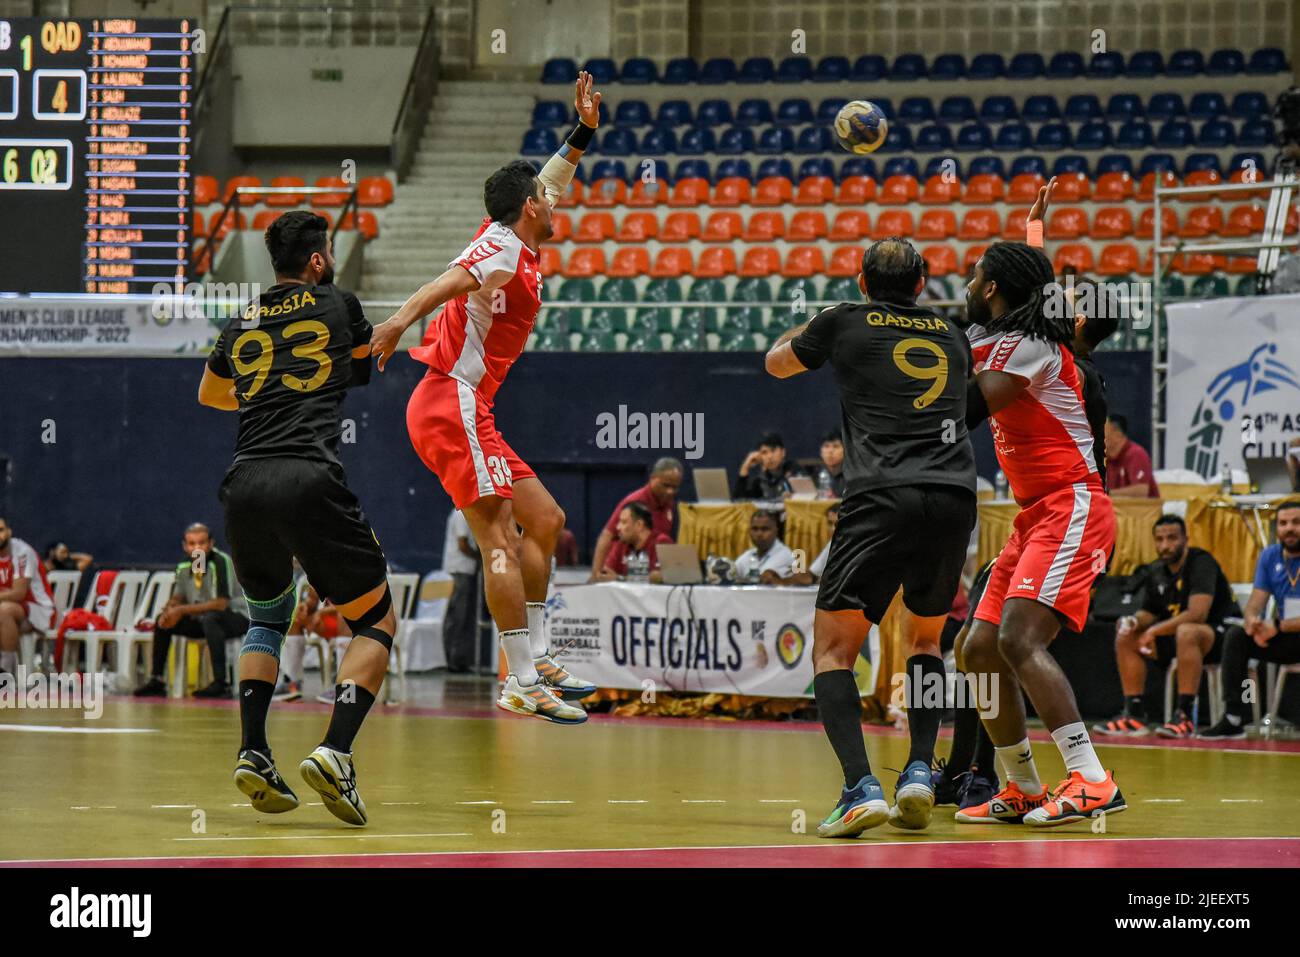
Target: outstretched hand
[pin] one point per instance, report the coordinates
(585, 101)
(1039, 209)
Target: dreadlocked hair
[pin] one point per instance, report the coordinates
(1022, 272)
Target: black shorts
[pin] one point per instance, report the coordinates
(1167, 646)
(279, 509)
(913, 537)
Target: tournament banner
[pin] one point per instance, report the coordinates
(107, 326)
(1234, 382)
(748, 640)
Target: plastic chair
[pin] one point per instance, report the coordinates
(1068, 222)
(672, 261)
(773, 191)
(765, 226)
(814, 191)
(594, 228)
(638, 227)
(897, 191)
(123, 601)
(936, 224)
(371, 191)
(1113, 188)
(979, 224)
(856, 191)
(850, 225)
(634, 261)
(286, 199)
(689, 192)
(942, 260)
(681, 227)
(984, 188)
(760, 261)
(807, 226)
(1118, 259)
(716, 261)
(893, 222)
(1112, 222)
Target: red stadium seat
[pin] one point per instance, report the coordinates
(594, 228)
(979, 224)
(1069, 222)
(285, 199)
(941, 191)
(898, 190)
(319, 200)
(1073, 254)
(1202, 221)
(236, 182)
(572, 196)
(647, 194)
(205, 190)
(1201, 264)
(1146, 227)
(375, 191)
(984, 188)
(264, 219)
(1292, 221)
(724, 226)
(893, 222)
(630, 262)
(765, 226)
(731, 191)
(1118, 259)
(197, 225)
(638, 227)
(1244, 220)
(973, 254)
(1024, 188)
(610, 191)
(850, 225)
(562, 226)
(807, 226)
(1112, 222)
(1113, 188)
(937, 224)
(1239, 265)
(549, 263)
(760, 261)
(942, 260)
(368, 228)
(773, 191)
(585, 263)
(856, 191)
(1147, 187)
(814, 191)
(715, 262)
(692, 191)
(680, 227)
(1071, 188)
(804, 261)
(1014, 228)
(1202, 177)
(1239, 176)
(845, 261)
(672, 262)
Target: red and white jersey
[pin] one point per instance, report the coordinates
(1042, 439)
(23, 562)
(478, 337)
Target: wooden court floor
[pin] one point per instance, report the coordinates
(149, 783)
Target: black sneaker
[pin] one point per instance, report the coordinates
(153, 688)
(1223, 728)
(946, 789)
(976, 789)
(218, 689)
(256, 776)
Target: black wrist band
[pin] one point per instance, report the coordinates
(581, 136)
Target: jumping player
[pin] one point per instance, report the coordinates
(906, 518)
(286, 365)
(492, 292)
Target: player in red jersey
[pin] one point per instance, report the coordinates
(1028, 381)
(492, 292)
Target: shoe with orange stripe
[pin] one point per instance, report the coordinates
(1078, 800)
(538, 701)
(1008, 806)
(566, 685)
(861, 807)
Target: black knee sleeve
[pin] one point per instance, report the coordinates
(364, 627)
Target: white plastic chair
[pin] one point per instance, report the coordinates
(1214, 678)
(123, 600)
(127, 640)
(63, 589)
(405, 590)
(1269, 723)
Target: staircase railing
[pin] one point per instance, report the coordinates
(421, 85)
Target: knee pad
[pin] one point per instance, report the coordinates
(262, 641)
(365, 625)
(268, 621)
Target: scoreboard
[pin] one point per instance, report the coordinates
(95, 154)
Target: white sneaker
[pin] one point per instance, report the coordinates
(331, 775)
(570, 688)
(538, 701)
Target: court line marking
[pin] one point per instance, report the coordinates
(704, 801)
(186, 807)
(1241, 800)
(475, 802)
(778, 801)
(401, 803)
(69, 729)
(1162, 800)
(611, 801)
(550, 802)
(322, 837)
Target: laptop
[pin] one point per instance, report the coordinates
(802, 487)
(680, 564)
(1269, 475)
(711, 485)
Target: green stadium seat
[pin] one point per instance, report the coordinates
(742, 341)
(613, 320)
(1246, 286)
(687, 340)
(752, 289)
(843, 289)
(552, 340)
(791, 288)
(660, 290)
(1212, 286)
(599, 341)
(576, 290)
(1173, 287)
(704, 290)
(644, 341)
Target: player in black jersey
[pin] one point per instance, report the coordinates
(906, 519)
(286, 365)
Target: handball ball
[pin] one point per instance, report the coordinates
(861, 127)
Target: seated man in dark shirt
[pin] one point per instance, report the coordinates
(766, 471)
(830, 474)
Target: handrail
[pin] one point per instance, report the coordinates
(421, 85)
(211, 237)
(210, 60)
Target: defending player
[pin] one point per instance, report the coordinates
(286, 366)
(492, 292)
(906, 519)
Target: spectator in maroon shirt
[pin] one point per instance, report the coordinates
(659, 496)
(566, 549)
(1128, 466)
(634, 556)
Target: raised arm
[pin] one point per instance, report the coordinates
(559, 169)
(456, 281)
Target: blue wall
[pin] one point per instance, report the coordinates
(135, 458)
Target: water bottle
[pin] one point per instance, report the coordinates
(1225, 476)
(1000, 485)
(825, 488)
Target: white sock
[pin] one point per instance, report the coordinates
(1076, 749)
(1233, 719)
(537, 629)
(295, 646)
(9, 662)
(1018, 765)
(519, 655)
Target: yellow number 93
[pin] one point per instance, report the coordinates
(936, 375)
(259, 366)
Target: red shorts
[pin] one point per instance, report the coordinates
(455, 435)
(1058, 546)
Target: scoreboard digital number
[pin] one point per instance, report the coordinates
(95, 154)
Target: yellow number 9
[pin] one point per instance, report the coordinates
(261, 365)
(936, 374)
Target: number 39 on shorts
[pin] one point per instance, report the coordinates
(500, 470)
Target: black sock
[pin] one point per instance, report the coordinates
(925, 699)
(351, 705)
(840, 707)
(985, 762)
(1134, 707)
(1187, 704)
(254, 703)
(965, 731)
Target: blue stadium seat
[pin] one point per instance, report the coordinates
(899, 138)
(1241, 160)
(1216, 134)
(1146, 63)
(858, 166)
(1104, 66)
(736, 140)
(1013, 136)
(713, 113)
(728, 168)
(681, 70)
(540, 142)
(1175, 134)
(632, 113)
(1070, 163)
(673, 113)
(719, 69)
(1267, 60)
(832, 69)
(1052, 136)
(1156, 163)
(988, 166)
(974, 137)
(1039, 108)
(886, 106)
(608, 169)
(639, 69)
(908, 66)
(957, 109)
(794, 69)
(697, 141)
(1185, 63)
(693, 169)
(602, 69)
(757, 69)
(1124, 106)
(935, 167)
(1197, 162)
(1165, 106)
(618, 142)
(870, 67)
(948, 66)
(987, 66)
(1134, 135)
(559, 70)
(998, 109)
(1206, 106)
(754, 113)
(551, 113)
(817, 166)
(1026, 66)
(1028, 164)
(774, 140)
(1094, 136)
(1115, 163)
(1256, 133)
(1082, 107)
(1250, 105)
(774, 166)
(793, 111)
(1225, 63)
(829, 108)
(933, 138)
(813, 139)
(1065, 66)
(659, 167)
(900, 166)
(916, 109)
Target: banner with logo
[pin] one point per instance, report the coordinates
(751, 640)
(105, 326)
(1234, 381)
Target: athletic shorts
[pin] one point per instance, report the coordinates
(281, 509)
(1058, 545)
(1167, 646)
(452, 429)
(39, 617)
(913, 537)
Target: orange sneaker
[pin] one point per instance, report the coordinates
(1008, 806)
(1077, 800)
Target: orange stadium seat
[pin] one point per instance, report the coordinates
(731, 191)
(629, 262)
(562, 225)
(850, 225)
(984, 188)
(1243, 221)
(324, 214)
(773, 191)
(638, 227)
(368, 226)
(1146, 190)
(375, 191)
(647, 194)
(760, 261)
(1113, 188)
(235, 182)
(585, 263)
(804, 261)
(937, 224)
(609, 191)
(715, 262)
(1024, 188)
(331, 199)
(594, 228)
(1239, 176)
(765, 226)
(845, 261)
(285, 199)
(1069, 222)
(1242, 264)
(1118, 259)
(672, 262)
(1202, 177)
(1071, 188)
(1073, 254)
(1292, 222)
(692, 191)
(1200, 264)
(898, 190)
(197, 224)
(856, 191)
(1014, 227)
(205, 190)
(979, 224)
(1202, 221)
(723, 226)
(940, 191)
(680, 227)
(549, 264)
(893, 222)
(973, 254)
(1146, 227)
(1112, 222)
(814, 191)
(942, 260)
(807, 225)
(232, 220)
(572, 196)
(264, 219)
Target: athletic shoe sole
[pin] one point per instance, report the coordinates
(858, 819)
(288, 696)
(912, 807)
(574, 694)
(1113, 806)
(507, 703)
(319, 778)
(964, 818)
(264, 798)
